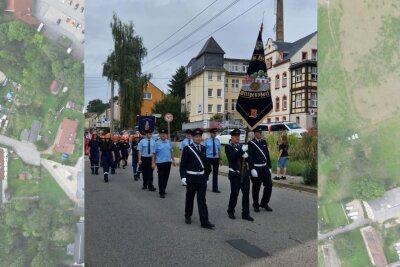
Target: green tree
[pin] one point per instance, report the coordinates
(177, 83)
(19, 31)
(126, 61)
(96, 105)
(3, 5)
(170, 104)
(366, 188)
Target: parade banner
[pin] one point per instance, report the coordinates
(146, 123)
(255, 101)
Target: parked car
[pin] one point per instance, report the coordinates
(82, 8)
(76, 6)
(291, 128)
(58, 21)
(225, 136)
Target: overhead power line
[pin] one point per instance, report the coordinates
(194, 31)
(206, 36)
(169, 37)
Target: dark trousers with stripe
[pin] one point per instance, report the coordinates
(213, 163)
(238, 184)
(147, 171)
(163, 170)
(191, 190)
(264, 177)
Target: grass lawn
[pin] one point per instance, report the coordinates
(391, 235)
(351, 249)
(51, 191)
(28, 188)
(331, 216)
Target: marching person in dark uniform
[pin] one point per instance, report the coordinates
(124, 151)
(192, 169)
(94, 152)
(117, 153)
(107, 155)
(260, 170)
(135, 154)
(238, 176)
(214, 159)
(146, 161)
(164, 157)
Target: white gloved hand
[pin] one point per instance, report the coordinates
(184, 181)
(254, 173)
(245, 155)
(270, 171)
(245, 148)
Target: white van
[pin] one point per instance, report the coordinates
(40, 27)
(291, 128)
(69, 50)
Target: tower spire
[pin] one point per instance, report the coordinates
(279, 21)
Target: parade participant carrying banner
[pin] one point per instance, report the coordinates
(255, 101)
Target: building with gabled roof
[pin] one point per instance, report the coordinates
(66, 135)
(22, 10)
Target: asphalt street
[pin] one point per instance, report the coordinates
(128, 226)
(27, 151)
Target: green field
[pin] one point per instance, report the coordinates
(331, 216)
(351, 249)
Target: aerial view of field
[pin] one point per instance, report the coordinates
(359, 155)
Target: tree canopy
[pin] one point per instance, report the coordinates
(177, 83)
(367, 188)
(170, 104)
(97, 106)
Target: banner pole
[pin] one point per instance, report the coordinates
(244, 160)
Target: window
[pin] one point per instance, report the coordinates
(188, 88)
(298, 75)
(298, 120)
(244, 67)
(226, 66)
(298, 100)
(284, 102)
(314, 100)
(269, 63)
(226, 85)
(277, 83)
(314, 54)
(147, 95)
(277, 103)
(219, 108)
(314, 74)
(188, 106)
(235, 85)
(284, 79)
(199, 109)
(226, 104)
(235, 68)
(234, 104)
(276, 118)
(210, 74)
(210, 108)
(304, 55)
(283, 118)
(219, 92)
(189, 70)
(314, 122)
(219, 76)
(269, 120)
(210, 92)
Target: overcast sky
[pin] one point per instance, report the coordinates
(156, 20)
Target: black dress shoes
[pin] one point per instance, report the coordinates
(268, 208)
(231, 215)
(216, 191)
(208, 226)
(188, 220)
(257, 209)
(247, 217)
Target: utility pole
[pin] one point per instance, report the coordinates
(112, 108)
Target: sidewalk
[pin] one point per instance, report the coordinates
(293, 182)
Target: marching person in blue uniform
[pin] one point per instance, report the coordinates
(94, 152)
(214, 159)
(238, 176)
(107, 155)
(117, 153)
(146, 161)
(164, 157)
(135, 155)
(124, 151)
(260, 170)
(193, 170)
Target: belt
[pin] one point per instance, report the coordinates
(232, 170)
(260, 165)
(195, 173)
